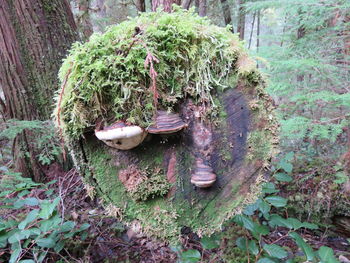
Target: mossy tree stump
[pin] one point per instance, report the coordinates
(150, 185)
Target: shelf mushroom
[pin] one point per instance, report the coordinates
(121, 136)
(166, 123)
(203, 175)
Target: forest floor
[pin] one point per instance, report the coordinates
(110, 239)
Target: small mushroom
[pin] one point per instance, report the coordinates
(166, 123)
(203, 175)
(121, 136)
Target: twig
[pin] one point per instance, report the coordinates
(150, 58)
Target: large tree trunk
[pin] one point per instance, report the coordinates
(35, 35)
(201, 6)
(140, 5)
(226, 10)
(241, 19)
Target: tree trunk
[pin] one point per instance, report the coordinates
(84, 20)
(186, 4)
(140, 5)
(35, 35)
(252, 30)
(300, 34)
(202, 7)
(241, 19)
(166, 4)
(258, 32)
(226, 10)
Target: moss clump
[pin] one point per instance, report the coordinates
(156, 185)
(259, 145)
(151, 61)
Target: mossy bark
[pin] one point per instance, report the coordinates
(35, 35)
(237, 160)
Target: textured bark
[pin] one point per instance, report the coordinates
(241, 19)
(202, 7)
(140, 5)
(34, 37)
(226, 10)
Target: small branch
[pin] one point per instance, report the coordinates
(150, 60)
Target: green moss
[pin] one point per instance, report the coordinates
(107, 77)
(259, 145)
(156, 185)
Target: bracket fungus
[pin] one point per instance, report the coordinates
(121, 136)
(166, 123)
(203, 175)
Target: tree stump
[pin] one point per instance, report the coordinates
(242, 143)
(150, 185)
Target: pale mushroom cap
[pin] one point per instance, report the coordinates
(121, 136)
(203, 184)
(113, 133)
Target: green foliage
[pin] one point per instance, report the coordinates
(306, 52)
(45, 139)
(262, 209)
(190, 256)
(38, 228)
(259, 220)
(154, 58)
(193, 255)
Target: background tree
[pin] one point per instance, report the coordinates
(83, 18)
(241, 19)
(140, 5)
(306, 50)
(35, 36)
(226, 10)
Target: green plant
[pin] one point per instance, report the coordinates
(31, 227)
(306, 50)
(45, 137)
(259, 220)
